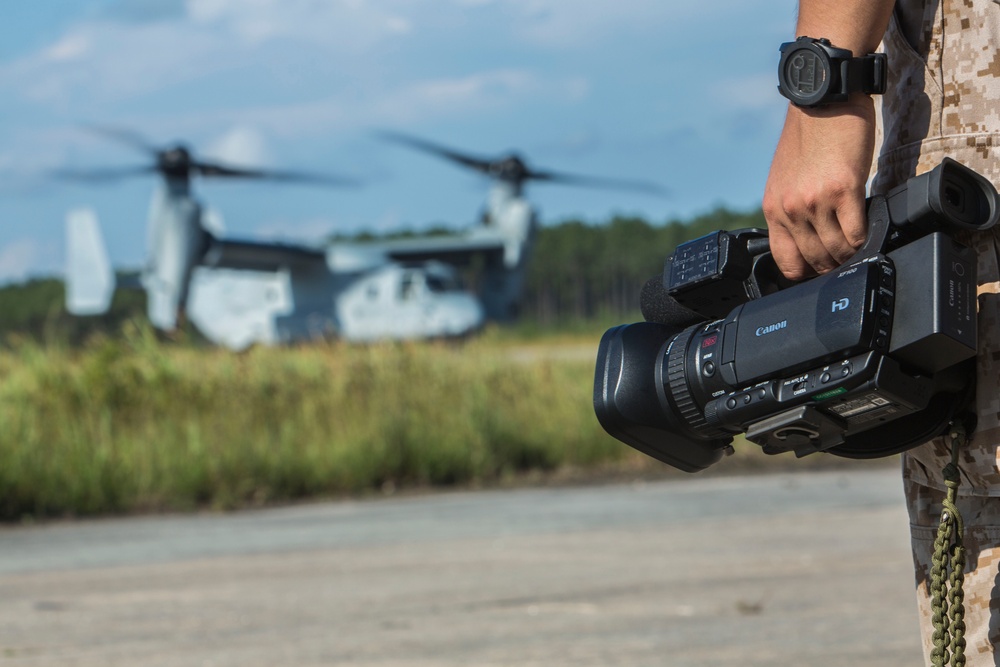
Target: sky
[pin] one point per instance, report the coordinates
(679, 93)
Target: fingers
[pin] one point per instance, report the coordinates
(813, 235)
(786, 254)
(853, 220)
(814, 199)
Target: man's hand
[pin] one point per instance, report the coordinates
(814, 200)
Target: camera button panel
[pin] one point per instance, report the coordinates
(814, 387)
(695, 262)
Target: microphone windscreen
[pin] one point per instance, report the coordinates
(658, 306)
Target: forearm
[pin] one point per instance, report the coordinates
(814, 197)
(857, 25)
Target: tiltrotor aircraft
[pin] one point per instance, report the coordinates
(501, 242)
(239, 293)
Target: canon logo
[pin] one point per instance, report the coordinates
(771, 328)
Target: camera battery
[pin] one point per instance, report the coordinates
(935, 319)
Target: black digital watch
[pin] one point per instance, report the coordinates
(812, 73)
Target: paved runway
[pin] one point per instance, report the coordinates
(802, 569)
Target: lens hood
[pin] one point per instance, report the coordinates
(627, 404)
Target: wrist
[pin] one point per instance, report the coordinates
(858, 105)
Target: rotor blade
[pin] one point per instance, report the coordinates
(125, 136)
(479, 164)
(597, 182)
(100, 175)
(215, 170)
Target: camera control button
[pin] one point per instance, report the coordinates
(824, 378)
(731, 403)
(845, 371)
(708, 370)
(746, 398)
(880, 341)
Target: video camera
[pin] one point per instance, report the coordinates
(868, 360)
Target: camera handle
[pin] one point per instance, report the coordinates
(765, 277)
(880, 230)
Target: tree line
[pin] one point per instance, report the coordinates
(578, 271)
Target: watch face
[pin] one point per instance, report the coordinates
(805, 74)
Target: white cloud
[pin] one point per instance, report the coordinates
(558, 23)
(483, 90)
(241, 145)
(105, 61)
(71, 47)
(562, 24)
(98, 65)
(413, 102)
(350, 24)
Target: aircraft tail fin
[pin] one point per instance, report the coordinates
(90, 280)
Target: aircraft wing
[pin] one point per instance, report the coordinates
(455, 251)
(259, 256)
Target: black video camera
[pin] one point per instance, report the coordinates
(868, 360)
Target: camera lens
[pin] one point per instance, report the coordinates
(634, 402)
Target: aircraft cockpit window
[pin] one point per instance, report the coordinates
(441, 284)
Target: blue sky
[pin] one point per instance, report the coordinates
(680, 93)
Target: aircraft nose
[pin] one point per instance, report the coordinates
(469, 312)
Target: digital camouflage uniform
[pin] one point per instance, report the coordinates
(943, 100)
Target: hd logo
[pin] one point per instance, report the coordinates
(840, 304)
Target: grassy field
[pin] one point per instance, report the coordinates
(134, 424)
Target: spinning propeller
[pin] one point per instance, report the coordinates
(512, 169)
(177, 161)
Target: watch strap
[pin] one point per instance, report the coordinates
(864, 74)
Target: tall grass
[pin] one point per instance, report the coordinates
(133, 424)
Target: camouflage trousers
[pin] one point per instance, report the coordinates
(943, 100)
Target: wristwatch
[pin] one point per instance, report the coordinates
(813, 73)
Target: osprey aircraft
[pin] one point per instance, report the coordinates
(501, 242)
(240, 292)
